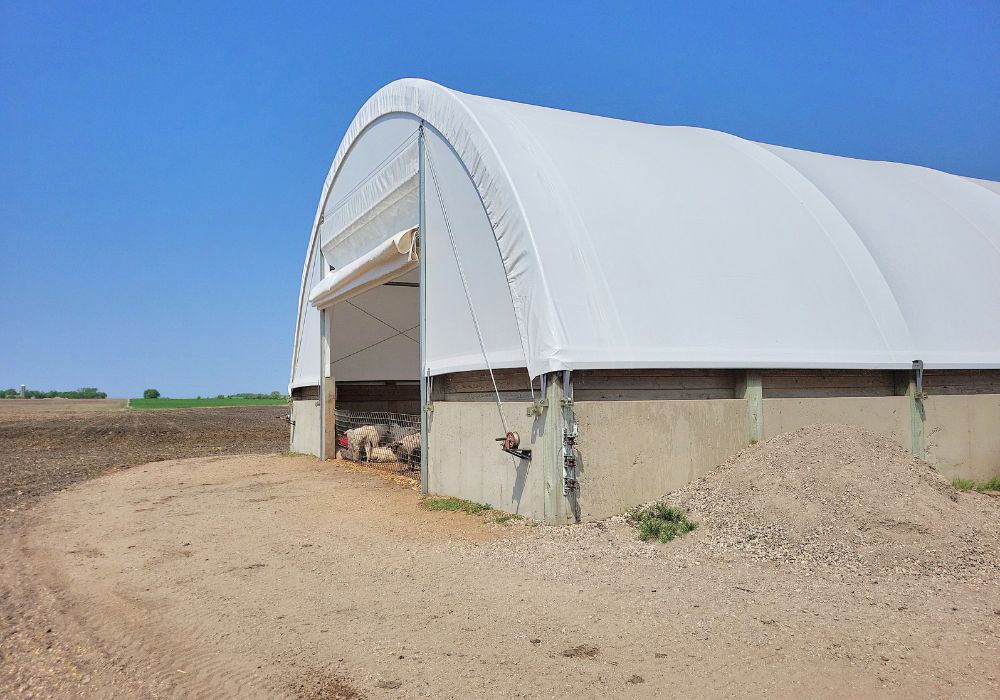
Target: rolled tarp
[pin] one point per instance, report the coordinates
(384, 263)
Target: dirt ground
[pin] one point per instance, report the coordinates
(16, 408)
(272, 576)
(48, 444)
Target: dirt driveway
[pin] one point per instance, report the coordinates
(268, 576)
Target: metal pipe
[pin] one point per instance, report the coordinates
(323, 356)
(422, 252)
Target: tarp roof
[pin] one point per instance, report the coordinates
(634, 245)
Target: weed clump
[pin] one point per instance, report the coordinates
(504, 518)
(449, 503)
(658, 521)
(981, 486)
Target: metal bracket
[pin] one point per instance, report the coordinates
(918, 377)
(570, 483)
(520, 454)
(537, 408)
(566, 402)
(429, 408)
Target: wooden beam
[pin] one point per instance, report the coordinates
(329, 418)
(556, 505)
(750, 387)
(906, 385)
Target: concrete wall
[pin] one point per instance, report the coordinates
(889, 415)
(635, 451)
(962, 431)
(465, 461)
(632, 451)
(963, 435)
(306, 431)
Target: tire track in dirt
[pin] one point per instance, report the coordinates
(42, 454)
(50, 646)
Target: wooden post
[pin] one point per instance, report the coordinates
(554, 421)
(327, 390)
(329, 418)
(751, 388)
(906, 385)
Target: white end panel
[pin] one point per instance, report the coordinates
(375, 335)
(378, 173)
(305, 367)
(452, 344)
(374, 195)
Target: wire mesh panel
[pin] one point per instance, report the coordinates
(388, 441)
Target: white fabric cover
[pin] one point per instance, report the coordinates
(358, 221)
(386, 262)
(306, 360)
(633, 245)
(374, 336)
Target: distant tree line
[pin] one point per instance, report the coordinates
(272, 395)
(154, 394)
(87, 392)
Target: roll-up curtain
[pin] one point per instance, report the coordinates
(384, 263)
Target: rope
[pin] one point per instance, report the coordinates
(380, 320)
(384, 340)
(465, 284)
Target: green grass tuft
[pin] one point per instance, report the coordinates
(504, 518)
(972, 485)
(448, 503)
(658, 521)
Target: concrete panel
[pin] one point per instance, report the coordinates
(635, 451)
(889, 415)
(963, 435)
(306, 431)
(466, 462)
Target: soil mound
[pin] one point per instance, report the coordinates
(841, 496)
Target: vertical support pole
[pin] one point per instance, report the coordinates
(751, 388)
(324, 363)
(906, 385)
(422, 252)
(554, 421)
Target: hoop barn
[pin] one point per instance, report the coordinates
(638, 302)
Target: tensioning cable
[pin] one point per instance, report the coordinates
(465, 285)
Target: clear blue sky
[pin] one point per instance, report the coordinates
(160, 163)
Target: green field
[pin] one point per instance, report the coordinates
(148, 404)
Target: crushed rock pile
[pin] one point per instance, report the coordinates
(841, 496)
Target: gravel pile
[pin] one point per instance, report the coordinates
(844, 497)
